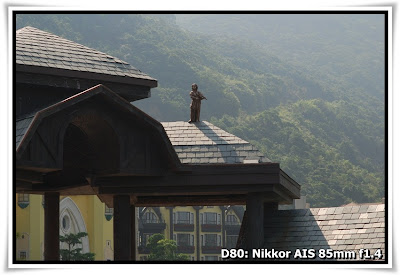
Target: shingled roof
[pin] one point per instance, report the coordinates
(348, 228)
(38, 48)
(204, 143)
(21, 126)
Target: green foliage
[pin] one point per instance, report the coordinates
(162, 249)
(74, 253)
(313, 141)
(307, 90)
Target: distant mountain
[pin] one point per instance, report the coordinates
(345, 47)
(308, 93)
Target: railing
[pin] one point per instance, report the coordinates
(189, 249)
(143, 249)
(210, 227)
(211, 249)
(232, 223)
(184, 225)
(153, 226)
(182, 221)
(152, 221)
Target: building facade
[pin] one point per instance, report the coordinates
(199, 231)
(77, 214)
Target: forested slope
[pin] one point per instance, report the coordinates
(324, 125)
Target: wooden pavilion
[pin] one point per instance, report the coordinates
(77, 133)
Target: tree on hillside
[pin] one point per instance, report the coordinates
(164, 250)
(74, 253)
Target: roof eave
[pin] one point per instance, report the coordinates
(148, 82)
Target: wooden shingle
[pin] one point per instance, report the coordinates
(204, 143)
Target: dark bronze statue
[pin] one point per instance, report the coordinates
(196, 97)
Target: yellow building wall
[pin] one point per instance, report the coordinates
(36, 228)
(30, 221)
(98, 228)
(165, 213)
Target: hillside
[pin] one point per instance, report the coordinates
(326, 130)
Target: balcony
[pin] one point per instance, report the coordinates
(143, 249)
(185, 249)
(232, 228)
(211, 227)
(185, 226)
(211, 249)
(153, 226)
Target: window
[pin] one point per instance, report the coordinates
(22, 255)
(185, 240)
(150, 217)
(231, 241)
(108, 210)
(23, 198)
(211, 240)
(211, 258)
(66, 223)
(145, 240)
(210, 218)
(183, 218)
(232, 220)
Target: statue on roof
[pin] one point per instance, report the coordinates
(196, 97)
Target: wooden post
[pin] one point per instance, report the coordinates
(223, 226)
(255, 221)
(171, 223)
(270, 206)
(197, 208)
(122, 228)
(51, 226)
(134, 232)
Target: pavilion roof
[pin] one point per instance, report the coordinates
(205, 143)
(345, 228)
(39, 49)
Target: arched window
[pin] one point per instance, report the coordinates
(108, 212)
(71, 221)
(150, 217)
(23, 200)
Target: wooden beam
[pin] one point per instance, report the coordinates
(51, 226)
(63, 75)
(191, 200)
(29, 175)
(188, 190)
(193, 180)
